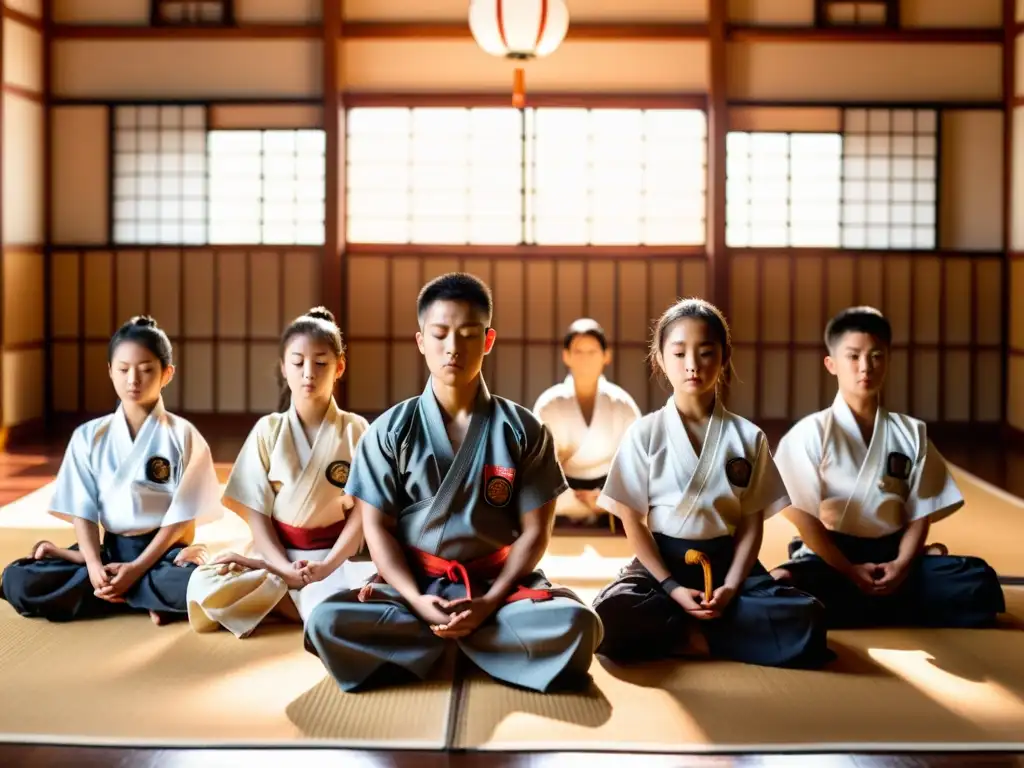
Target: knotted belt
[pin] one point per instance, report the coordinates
(487, 567)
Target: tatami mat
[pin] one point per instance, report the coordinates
(123, 681)
(911, 689)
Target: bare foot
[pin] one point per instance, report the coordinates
(42, 549)
(937, 548)
(156, 618)
(194, 553)
(781, 574)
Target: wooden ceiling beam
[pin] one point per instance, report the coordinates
(747, 34)
(137, 32)
(455, 30)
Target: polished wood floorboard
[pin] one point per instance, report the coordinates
(28, 467)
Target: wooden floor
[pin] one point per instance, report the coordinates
(28, 467)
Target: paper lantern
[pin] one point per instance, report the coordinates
(520, 30)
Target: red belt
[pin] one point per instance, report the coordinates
(308, 538)
(487, 567)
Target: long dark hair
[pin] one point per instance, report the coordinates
(697, 309)
(143, 330)
(317, 324)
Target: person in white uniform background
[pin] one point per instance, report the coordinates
(866, 484)
(141, 474)
(588, 416)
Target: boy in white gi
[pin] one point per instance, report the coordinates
(866, 484)
(587, 416)
(457, 490)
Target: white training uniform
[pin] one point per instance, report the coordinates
(130, 487)
(863, 490)
(589, 447)
(280, 475)
(657, 473)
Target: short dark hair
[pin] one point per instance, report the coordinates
(585, 326)
(857, 320)
(143, 330)
(456, 286)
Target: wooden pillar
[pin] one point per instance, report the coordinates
(332, 293)
(48, 407)
(718, 126)
(1013, 186)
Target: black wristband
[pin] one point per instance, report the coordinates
(669, 584)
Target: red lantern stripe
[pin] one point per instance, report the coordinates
(543, 21)
(501, 24)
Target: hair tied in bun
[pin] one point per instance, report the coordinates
(322, 313)
(144, 321)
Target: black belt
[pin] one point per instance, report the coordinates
(578, 484)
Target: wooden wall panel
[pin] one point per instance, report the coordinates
(200, 284)
(230, 359)
(694, 272)
(23, 378)
(277, 11)
(957, 382)
(572, 293)
(23, 56)
(232, 286)
(925, 287)
(839, 272)
(590, 11)
(774, 384)
(64, 380)
(809, 323)
(101, 11)
(165, 289)
(775, 300)
(161, 68)
(405, 288)
(602, 296)
(1017, 306)
(98, 289)
(990, 301)
(951, 13)
(32, 8)
(198, 365)
(959, 305)
(66, 274)
(509, 374)
(99, 390)
(768, 12)
(580, 65)
(808, 371)
(366, 360)
(862, 71)
(633, 318)
(130, 284)
(22, 171)
(899, 297)
(264, 116)
(368, 296)
(264, 365)
(540, 304)
(870, 282)
(742, 394)
(23, 297)
(971, 196)
(925, 403)
(408, 371)
(796, 119)
(897, 388)
(988, 381)
(540, 372)
(507, 290)
(634, 375)
(265, 319)
(301, 284)
(744, 300)
(80, 174)
(1017, 177)
(1015, 394)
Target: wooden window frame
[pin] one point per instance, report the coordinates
(156, 18)
(821, 20)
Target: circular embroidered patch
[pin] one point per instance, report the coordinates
(498, 491)
(158, 470)
(738, 472)
(337, 473)
(898, 466)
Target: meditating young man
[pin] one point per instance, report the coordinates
(456, 489)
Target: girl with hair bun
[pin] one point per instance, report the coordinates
(143, 475)
(288, 484)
